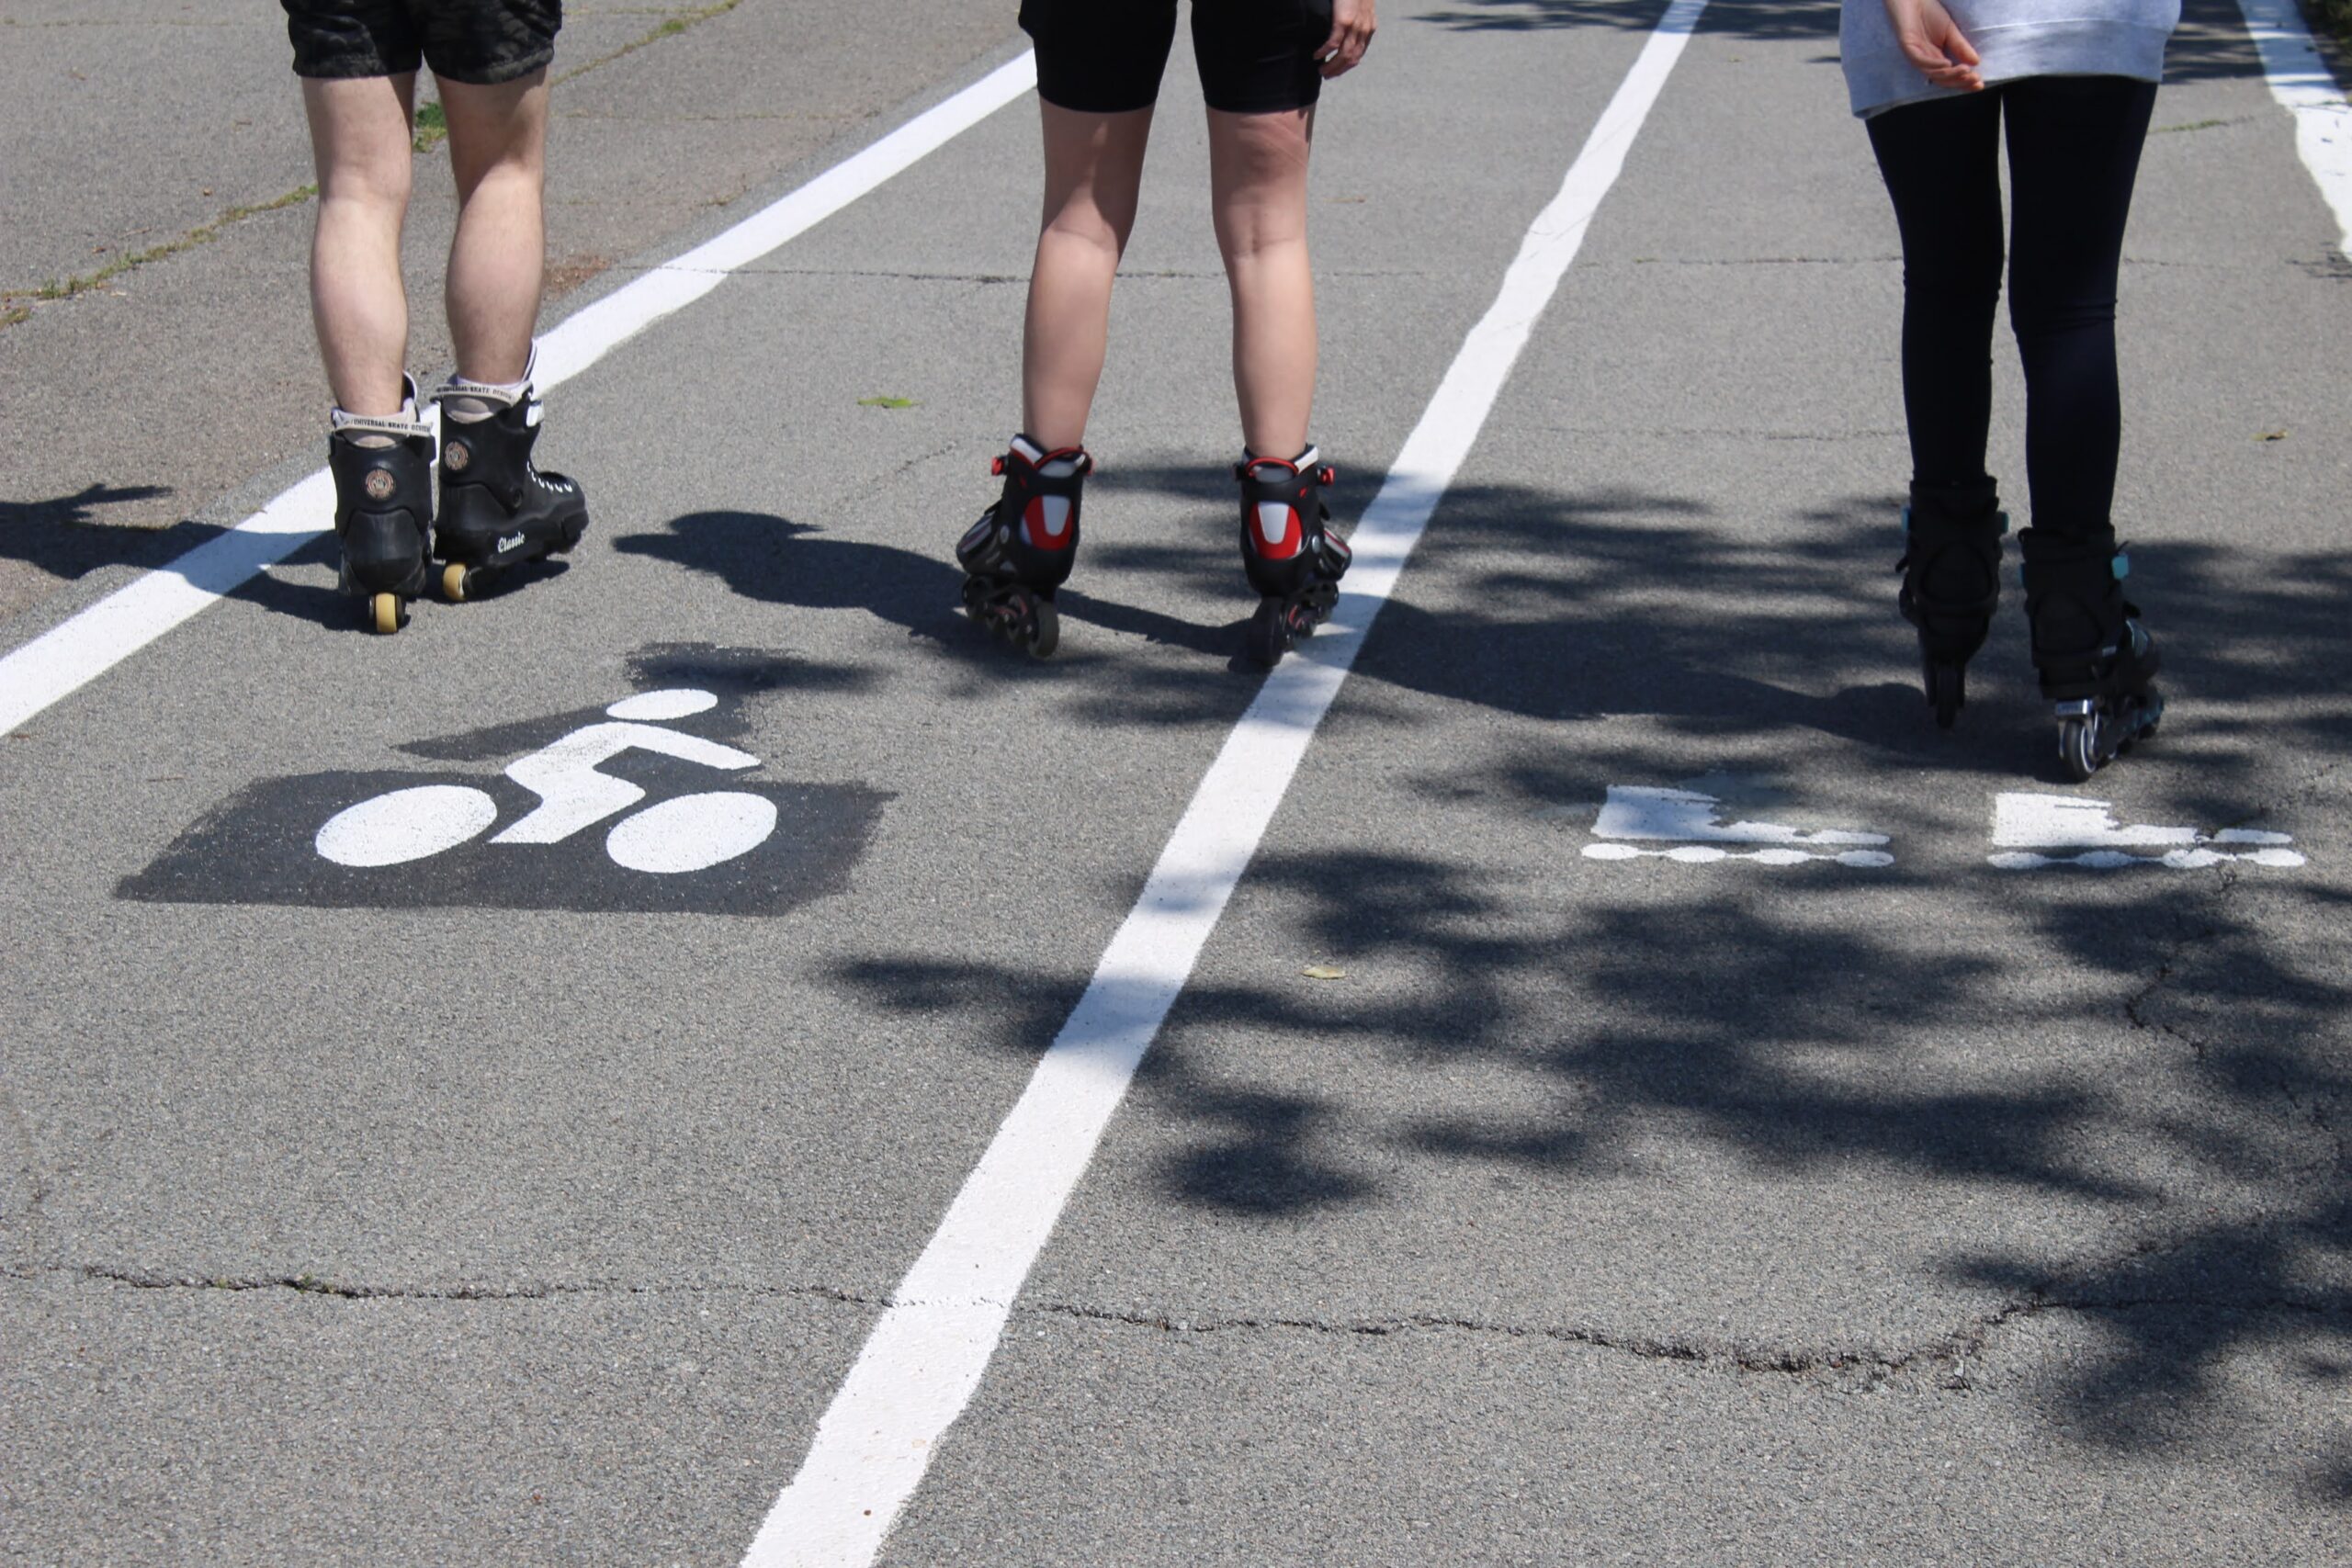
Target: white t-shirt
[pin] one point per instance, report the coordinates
(2016, 37)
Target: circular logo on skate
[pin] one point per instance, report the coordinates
(380, 484)
(456, 454)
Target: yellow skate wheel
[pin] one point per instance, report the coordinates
(454, 580)
(384, 613)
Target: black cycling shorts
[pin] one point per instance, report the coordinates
(1106, 56)
(478, 42)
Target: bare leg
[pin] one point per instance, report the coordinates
(1093, 169)
(360, 136)
(497, 261)
(1258, 180)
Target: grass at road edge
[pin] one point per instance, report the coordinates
(432, 128)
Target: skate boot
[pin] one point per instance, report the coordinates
(383, 507)
(1022, 548)
(2097, 663)
(497, 508)
(1293, 560)
(1951, 580)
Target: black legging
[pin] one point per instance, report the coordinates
(2073, 153)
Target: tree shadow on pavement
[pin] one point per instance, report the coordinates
(2151, 1063)
(2198, 1187)
(1788, 18)
(67, 536)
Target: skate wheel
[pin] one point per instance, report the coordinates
(1269, 636)
(1043, 627)
(1948, 691)
(2078, 747)
(386, 614)
(456, 582)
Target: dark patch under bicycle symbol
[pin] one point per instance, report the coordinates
(621, 811)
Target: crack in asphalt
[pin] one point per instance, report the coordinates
(2230, 878)
(317, 1285)
(1950, 1352)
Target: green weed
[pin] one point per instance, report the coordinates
(432, 126)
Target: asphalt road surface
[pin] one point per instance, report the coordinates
(702, 1058)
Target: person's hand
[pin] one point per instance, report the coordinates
(1352, 28)
(1931, 40)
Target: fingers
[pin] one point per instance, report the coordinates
(1946, 61)
(1352, 28)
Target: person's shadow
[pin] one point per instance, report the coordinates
(778, 561)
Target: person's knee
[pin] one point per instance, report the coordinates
(375, 179)
(1962, 278)
(2036, 319)
(1083, 219)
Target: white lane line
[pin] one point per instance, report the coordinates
(2301, 81)
(78, 651)
(922, 1361)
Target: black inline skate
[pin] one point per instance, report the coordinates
(497, 507)
(1293, 560)
(383, 507)
(1022, 548)
(1952, 580)
(2098, 664)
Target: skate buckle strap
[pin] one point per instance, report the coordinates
(1033, 476)
(406, 425)
(398, 427)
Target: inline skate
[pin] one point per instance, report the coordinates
(1293, 560)
(497, 507)
(383, 507)
(1022, 548)
(2097, 663)
(1952, 581)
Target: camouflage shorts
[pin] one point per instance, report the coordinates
(479, 42)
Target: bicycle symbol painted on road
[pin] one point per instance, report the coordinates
(622, 808)
(690, 832)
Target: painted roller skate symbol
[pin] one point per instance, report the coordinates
(1687, 821)
(2035, 830)
(692, 832)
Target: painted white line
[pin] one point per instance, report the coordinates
(1707, 855)
(1686, 816)
(924, 1359)
(2116, 860)
(78, 651)
(2301, 81)
(2032, 831)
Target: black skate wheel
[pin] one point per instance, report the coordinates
(1947, 691)
(1043, 629)
(1269, 636)
(2078, 747)
(386, 614)
(457, 584)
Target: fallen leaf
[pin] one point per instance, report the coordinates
(1323, 971)
(2272, 435)
(886, 403)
